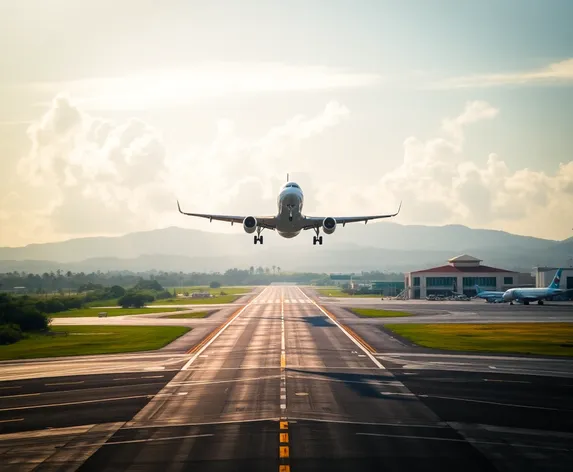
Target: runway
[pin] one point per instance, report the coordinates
(286, 384)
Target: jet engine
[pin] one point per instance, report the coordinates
(250, 224)
(329, 225)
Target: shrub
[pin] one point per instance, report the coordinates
(10, 333)
(135, 299)
(215, 284)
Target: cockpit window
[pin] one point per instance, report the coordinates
(292, 184)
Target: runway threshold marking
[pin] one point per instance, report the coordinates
(353, 337)
(206, 342)
(284, 452)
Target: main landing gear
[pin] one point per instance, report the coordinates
(257, 237)
(317, 238)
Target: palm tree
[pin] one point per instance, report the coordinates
(274, 269)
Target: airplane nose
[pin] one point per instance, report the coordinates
(507, 297)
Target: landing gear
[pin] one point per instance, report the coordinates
(540, 302)
(317, 238)
(525, 302)
(257, 237)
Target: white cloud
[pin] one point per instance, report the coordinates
(205, 81)
(84, 175)
(556, 73)
(95, 176)
(439, 184)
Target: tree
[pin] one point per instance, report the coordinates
(215, 284)
(135, 300)
(116, 291)
(149, 285)
(274, 269)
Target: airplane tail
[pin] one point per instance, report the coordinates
(478, 290)
(556, 280)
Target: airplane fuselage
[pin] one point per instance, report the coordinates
(530, 294)
(290, 218)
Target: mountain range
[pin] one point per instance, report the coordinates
(381, 246)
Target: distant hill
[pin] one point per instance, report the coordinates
(382, 246)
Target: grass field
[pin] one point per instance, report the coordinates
(213, 291)
(374, 313)
(336, 292)
(196, 314)
(81, 312)
(519, 338)
(197, 301)
(84, 340)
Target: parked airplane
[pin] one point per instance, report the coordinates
(526, 295)
(289, 220)
(489, 295)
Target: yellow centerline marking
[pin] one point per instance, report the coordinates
(284, 452)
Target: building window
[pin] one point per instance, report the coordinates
(481, 281)
(416, 281)
(441, 281)
(508, 281)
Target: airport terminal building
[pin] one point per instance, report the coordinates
(460, 275)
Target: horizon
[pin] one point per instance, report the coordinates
(363, 107)
(239, 232)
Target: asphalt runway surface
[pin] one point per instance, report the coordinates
(286, 384)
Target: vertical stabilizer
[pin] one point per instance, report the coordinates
(557, 279)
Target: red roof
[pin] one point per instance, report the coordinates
(473, 270)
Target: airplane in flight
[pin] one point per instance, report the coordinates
(526, 295)
(489, 296)
(290, 220)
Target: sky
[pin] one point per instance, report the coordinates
(111, 111)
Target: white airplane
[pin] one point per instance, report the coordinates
(289, 220)
(526, 295)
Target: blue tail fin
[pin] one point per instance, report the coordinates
(478, 290)
(557, 279)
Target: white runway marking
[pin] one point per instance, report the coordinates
(365, 351)
(468, 440)
(194, 358)
(12, 421)
(82, 402)
(493, 403)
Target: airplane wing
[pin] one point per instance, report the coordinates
(268, 222)
(312, 222)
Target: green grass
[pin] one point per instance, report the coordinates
(81, 312)
(85, 340)
(108, 302)
(195, 314)
(519, 338)
(215, 291)
(197, 301)
(374, 313)
(338, 293)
